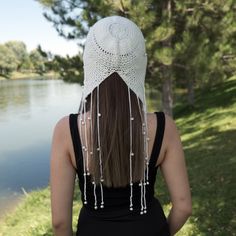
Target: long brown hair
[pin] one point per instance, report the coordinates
(114, 126)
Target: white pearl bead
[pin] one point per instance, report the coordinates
(132, 118)
(89, 118)
(98, 149)
(99, 114)
(131, 208)
(101, 206)
(131, 184)
(96, 207)
(91, 153)
(85, 202)
(132, 154)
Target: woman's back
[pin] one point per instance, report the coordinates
(115, 218)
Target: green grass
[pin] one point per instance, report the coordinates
(208, 134)
(32, 217)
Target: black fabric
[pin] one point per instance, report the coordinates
(115, 218)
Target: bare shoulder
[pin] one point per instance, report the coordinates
(62, 130)
(170, 137)
(62, 122)
(171, 129)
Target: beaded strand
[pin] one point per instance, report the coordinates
(131, 153)
(86, 141)
(146, 161)
(90, 119)
(146, 139)
(99, 149)
(83, 147)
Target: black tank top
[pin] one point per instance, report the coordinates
(115, 218)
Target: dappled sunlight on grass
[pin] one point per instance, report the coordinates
(208, 135)
(211, 160)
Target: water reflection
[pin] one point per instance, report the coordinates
(29, 110)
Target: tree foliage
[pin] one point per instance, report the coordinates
(38, 61)
(68, 67)
(18, 49)
(15, 57)
(8, 61)
(189, 43)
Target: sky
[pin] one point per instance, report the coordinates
(23, 20)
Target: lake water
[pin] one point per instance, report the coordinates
(29, 110)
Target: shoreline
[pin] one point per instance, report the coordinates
(25, 76)
(8, 206)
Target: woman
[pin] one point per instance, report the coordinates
(115, 147)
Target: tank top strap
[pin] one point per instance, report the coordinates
(158, 138)
(76, 140)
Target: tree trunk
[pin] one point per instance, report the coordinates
(190, 91)
(167, 97)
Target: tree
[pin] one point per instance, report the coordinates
(19, 50)
(204, 38)
(37, 61)
(8, 61)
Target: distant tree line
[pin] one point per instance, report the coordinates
(15, 57)
(190, 43)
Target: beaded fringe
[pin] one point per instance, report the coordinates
(144, 181)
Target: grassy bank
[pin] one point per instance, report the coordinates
(32, 217)
(208, 133)
(32, 75)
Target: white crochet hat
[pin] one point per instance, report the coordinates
(115, 44)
